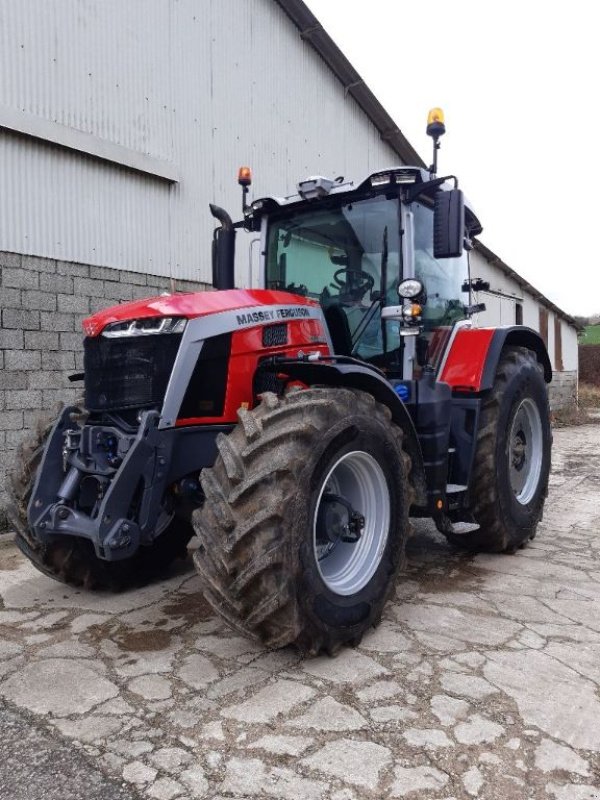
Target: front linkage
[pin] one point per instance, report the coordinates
(119, 481)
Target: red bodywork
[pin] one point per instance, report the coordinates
(247, 349)
(190, 305)
(467, 358)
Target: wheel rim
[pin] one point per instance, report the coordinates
(358, 484)
(525, 451)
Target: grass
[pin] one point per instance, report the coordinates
(570, 415)
(591, 335)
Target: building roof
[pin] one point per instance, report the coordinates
(313, 32)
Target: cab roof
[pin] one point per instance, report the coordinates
(318, 187)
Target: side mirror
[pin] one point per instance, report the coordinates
(448, 224)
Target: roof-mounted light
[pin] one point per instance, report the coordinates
(144, 327)
(405, 176)
(381, 179)
(398, 176)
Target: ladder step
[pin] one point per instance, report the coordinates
(462, 528)
(454, 488)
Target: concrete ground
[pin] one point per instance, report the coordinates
(482, 681)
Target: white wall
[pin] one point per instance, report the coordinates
(200, 86)
(501, 310)
(570, 347)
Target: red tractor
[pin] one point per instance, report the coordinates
(295, 427)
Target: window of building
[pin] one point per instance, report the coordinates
(558, 358)
(518, 314)
(544, 325)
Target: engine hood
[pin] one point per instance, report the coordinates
(190, 305)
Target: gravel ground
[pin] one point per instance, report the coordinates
(482, 680)
(35, 764)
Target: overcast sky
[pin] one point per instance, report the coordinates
(519, 83)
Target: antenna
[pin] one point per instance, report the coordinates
(435, 129)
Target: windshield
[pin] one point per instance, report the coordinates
(345, 257)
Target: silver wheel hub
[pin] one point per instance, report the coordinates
(525, 451)
(351, 522)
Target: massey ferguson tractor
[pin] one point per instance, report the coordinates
(295, 427)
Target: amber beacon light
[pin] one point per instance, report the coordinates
(435, 128)
(244, 176)
(436, 123)
(244, 180)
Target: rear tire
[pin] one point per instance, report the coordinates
(512, 459)
(72, 560)
(263, 526)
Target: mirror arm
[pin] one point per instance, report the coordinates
(417, 189)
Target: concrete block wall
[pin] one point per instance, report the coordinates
(42, 304)
(562, 391)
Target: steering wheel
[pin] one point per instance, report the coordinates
(354, 282)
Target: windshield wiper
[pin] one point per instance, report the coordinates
(364, 323)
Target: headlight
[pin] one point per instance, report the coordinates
(410, 288)
(145, 327)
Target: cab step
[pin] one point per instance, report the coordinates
(462, 528)
(455, 488)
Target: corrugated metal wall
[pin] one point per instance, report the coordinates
(206, 85)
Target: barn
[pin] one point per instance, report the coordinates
(120, 122)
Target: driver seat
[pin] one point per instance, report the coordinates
(339, 330)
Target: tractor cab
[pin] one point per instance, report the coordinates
(390, 292)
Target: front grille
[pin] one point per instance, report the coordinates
(131, 372)
(274, 335)
(265, 380)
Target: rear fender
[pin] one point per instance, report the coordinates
(359, 376)
(471, 363)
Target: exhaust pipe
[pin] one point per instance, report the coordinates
(223, 250)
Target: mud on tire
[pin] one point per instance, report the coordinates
(257, 555)
(72, 560)
(506, 523)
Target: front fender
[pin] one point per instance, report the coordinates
(472, 361)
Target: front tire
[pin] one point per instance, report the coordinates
(512, 458)
(293, 479)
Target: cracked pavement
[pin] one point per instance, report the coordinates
(481, 681)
